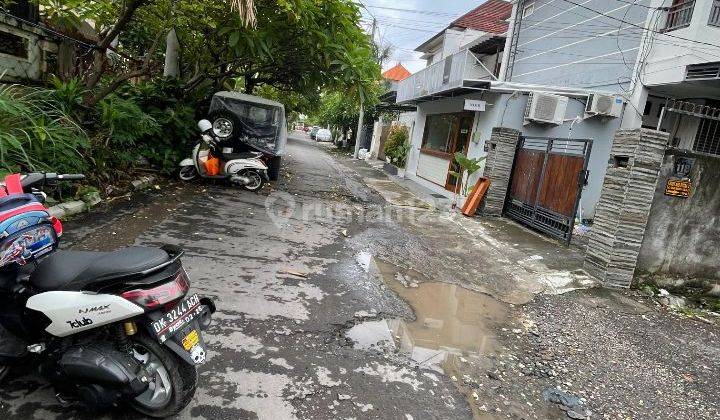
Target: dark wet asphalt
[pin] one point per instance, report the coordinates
(276, 347)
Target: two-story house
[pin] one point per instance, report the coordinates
(677, 84)
(461, 60)
(537, 73)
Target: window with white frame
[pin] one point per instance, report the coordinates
(528, 9)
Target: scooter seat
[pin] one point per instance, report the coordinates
(78, 270)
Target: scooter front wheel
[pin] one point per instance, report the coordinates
(255, 180)
(188, 173)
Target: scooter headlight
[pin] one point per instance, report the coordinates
(223, 128)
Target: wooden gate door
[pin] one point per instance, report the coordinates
(547, 181)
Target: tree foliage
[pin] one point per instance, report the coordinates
(299, 46)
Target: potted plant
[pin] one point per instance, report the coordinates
(468, 166)
(397, 147)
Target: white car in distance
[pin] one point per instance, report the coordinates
(323, 135)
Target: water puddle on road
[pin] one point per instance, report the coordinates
(450, 321)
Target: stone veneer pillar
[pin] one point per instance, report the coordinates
(501, 148)
(622, 213)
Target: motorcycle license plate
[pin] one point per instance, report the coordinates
(177, 318)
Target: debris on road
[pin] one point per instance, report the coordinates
(294, 273)
(570, 404)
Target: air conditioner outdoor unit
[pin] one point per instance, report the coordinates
(546, 108)
(604, 105)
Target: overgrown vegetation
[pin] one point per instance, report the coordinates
(36, 134)
(397, 145)
(131, 91)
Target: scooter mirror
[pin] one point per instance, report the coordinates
(204, 125)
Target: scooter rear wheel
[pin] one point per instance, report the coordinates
(256, 180)
(172, 381)
(188, 173)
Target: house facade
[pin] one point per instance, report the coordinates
(677, 91)
(461, 59)
(552, 50)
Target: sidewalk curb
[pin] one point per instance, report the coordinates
(71, 208)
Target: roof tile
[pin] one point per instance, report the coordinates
(488, 17)
(397, 73)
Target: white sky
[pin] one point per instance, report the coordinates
(406, 30)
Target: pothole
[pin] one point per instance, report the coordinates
(450, 321)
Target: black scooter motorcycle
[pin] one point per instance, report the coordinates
(105, 328)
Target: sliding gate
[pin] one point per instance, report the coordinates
(547, 180)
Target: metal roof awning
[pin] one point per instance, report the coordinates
(487, 44)
(468, 87)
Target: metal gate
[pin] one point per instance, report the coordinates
(547, 180)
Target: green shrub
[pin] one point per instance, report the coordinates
(123, 126)
(397, 145)
(36, 134)
(163, 100)
(69, 95)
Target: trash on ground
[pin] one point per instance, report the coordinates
(293, 273)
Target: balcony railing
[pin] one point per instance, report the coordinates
(679, 15)
(445, 75)
(715, 13)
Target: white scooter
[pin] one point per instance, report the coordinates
(245, 169)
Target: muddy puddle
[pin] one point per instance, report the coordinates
(451, 321)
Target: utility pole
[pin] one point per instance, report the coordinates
(362, 104)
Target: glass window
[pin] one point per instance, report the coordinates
(437, 132)
(528, 10)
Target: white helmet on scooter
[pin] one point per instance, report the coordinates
(204, 125)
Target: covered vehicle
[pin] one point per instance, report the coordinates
(250, 123)
(323, 134)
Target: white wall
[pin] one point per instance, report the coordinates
(508, 110)
(669, 56)
(432, 168)
(31, 67)
(455, 38)
(482, 128)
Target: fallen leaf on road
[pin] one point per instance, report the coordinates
(293, 273)
(345, 233)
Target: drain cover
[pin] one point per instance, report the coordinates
(437, 195)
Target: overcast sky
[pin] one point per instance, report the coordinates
(408, 23)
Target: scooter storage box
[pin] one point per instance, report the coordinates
(26, 229)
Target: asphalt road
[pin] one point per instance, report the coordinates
(283, 269)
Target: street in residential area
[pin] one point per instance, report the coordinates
(335, 303)
(359, 209)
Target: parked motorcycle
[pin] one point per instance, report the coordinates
(211, 160)
(105, 328)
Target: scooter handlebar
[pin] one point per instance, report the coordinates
(71, 177)
(38, 179)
